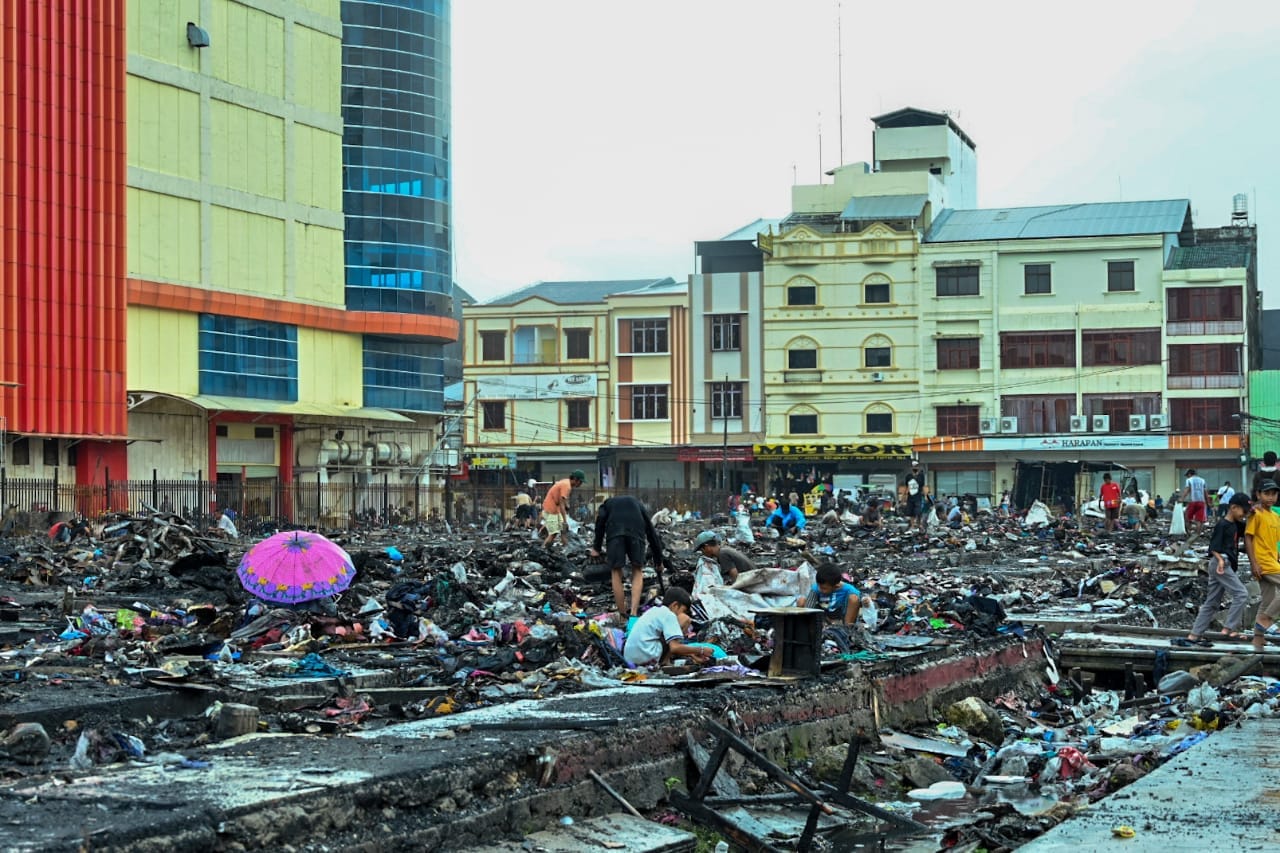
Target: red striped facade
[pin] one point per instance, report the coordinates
(63, 263)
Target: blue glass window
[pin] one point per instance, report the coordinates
(404, 375)
(248, 358)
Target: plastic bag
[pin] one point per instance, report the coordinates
(744, 533)
(870, 615)
(1178, 525)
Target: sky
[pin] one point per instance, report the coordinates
(598, 139)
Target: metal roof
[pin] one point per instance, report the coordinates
(884, 207)
(915, 117)
(1103, 219)
(1210, 256)
(751, 229)
(580, 292)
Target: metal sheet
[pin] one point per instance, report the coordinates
(1061, 220)
(883, 207)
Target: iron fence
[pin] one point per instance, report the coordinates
(34, 503)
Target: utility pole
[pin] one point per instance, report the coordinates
(724, 459)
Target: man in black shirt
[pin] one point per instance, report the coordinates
(626, 524)
(915, 484)
(1224, 546)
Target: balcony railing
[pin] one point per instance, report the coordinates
(801, 376)
(1185, 383)
(1205, 327)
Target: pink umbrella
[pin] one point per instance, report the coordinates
(295, 566)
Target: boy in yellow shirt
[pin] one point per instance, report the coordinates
(1261, 538)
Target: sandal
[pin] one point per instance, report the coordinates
(1235, 635)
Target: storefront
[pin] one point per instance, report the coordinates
(726, 467)
(798, 467)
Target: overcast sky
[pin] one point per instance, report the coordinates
(601, 138)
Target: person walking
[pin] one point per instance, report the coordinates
(1225, 494)
(1224, 547)
(624, 523)
(555, 508)
(915, 484)
(1261, 536)
(1109, 497)
(1194, 493)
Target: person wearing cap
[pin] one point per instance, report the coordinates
(555, 507)
(626, 525)
(915, 496)
(1224, 546)
(1261, 536)
(658, 636)
(728, 562)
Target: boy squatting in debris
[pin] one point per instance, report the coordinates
(1261, 535)
(625, 523)
(832, 593)
(1223, 563)
(727, 562)
(658, 635)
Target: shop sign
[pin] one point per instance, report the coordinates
(493, 463)
(714, 454)
(830, 452)
(1078, 442)
(541, 386)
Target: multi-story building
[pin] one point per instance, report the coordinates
(203, 326)
(726, 359)
(842, 305)
(1061, 341)
(558, 370)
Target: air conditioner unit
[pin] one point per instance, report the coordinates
(877, 377)
(1159, 421)
(1079, 423)
(988, 426)
(1008, 424)
(1137, 423)
(1100, 423)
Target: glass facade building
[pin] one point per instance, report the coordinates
(248, 358)
(396, 183)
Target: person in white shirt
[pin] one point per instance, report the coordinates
(226, 526)
(658, 635)
(1225, 494)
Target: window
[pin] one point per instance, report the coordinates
(649, 402)
(264, 432)
(876, 293)
(20, 452)
(802, 359)
(1038, 349)
(649, 336)
(577, 343)
(802, 294)
(493, 346)
(877, 357)
(959, 354)
(495, 415)
(1106, 347)
(50, 452)
(248, 358)
(726, 332)
(534, 345)
(957, 420)
(1208, 304)
(1036, 278)
(1038, 414)
(577, 414)
(221, 431)
(403, 375)
(879, 422)
(804, 423)
(1204, 360)
(957, 281)
(1199, 414)
(1119, 276)
(726, 400)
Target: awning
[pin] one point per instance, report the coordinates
(279, 407)
(884, 207)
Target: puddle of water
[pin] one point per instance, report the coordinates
(935, 814)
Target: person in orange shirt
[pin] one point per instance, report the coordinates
(1261, 536)
(1109, 497)
(555, 508)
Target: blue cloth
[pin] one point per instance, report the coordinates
(785, 519)
(837, 602)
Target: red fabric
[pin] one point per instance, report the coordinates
(1111, 495)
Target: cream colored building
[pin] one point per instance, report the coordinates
(558, 371)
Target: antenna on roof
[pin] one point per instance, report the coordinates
(840, 77)
(819, 146)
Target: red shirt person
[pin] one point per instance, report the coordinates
(1109, 495)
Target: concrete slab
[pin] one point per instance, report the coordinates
(622, 832)
(1221, 794)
